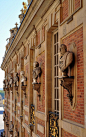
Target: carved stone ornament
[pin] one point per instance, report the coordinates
(36, 77)
(4, 115)
(65, 64)
(11, 128)
(16, 82)
(10, 81)
(16, 133)
(7, 121)
(7, 84)
(4, 84)
(23, 82)
(3, 133)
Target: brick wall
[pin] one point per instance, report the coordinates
(66, 134)
(78, 114)
(41, 105)
(41, 122)
(26, 133)
(77, 4)
(65, 9)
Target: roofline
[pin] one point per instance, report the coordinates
(18, 29)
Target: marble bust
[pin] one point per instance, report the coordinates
(36, 72)
(66, 59)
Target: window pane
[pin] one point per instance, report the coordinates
(58, 105)
(54, 71)
(55, 60)
(55, 93)
(54, 49)
(57, 70)
(54, 38)
(57, 82)
(55, 104)
(57, 48)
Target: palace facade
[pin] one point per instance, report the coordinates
(44, 65)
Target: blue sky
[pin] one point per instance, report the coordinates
(9, 12)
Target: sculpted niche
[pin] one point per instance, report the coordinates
(65, 61)
(66, 64)
(23, 82)
(10, 81)
(4, 84)
(36, 77)
(16, 82)
(11, 127)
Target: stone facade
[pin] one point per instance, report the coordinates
(46, 112)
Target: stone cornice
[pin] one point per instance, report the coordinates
(37, 8)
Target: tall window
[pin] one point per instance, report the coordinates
(55, 71)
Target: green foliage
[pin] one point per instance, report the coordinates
(2, 93)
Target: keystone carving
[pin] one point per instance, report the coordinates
(23, 82)
(65, 64)
(36, 77)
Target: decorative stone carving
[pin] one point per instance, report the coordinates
(23, 82)
(11, 128)
(7, 84)
(36, 77)
(16, 82)
(3, 133)
(23, 79)
(10, 82)
(65, 60)
(16, 134)
(7, 121)
(65, 64)
(4, 115)
(4, 84)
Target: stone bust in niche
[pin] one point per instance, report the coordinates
(36, 72)
(66, 59)
(36, 77)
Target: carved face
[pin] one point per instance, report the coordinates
(63, 49)
(36, 64)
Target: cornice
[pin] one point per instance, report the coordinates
(37, 8)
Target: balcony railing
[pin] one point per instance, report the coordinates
(53, 124)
